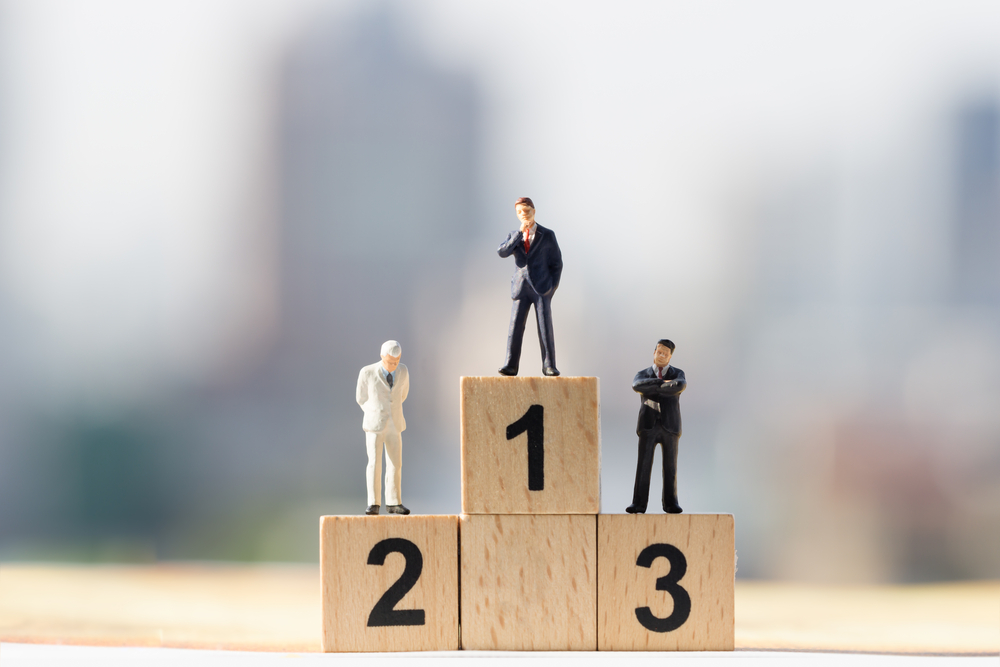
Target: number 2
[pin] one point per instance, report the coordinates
(384, 613)
(668, 582)
(533, 421)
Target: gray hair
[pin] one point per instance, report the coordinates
(391, 348)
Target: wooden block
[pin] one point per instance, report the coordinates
(531, 445)
(529, 583)
(389, 583)
(665, 582)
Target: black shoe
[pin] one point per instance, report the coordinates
(550, 371)
(635, 509)
(508, 370)
(396, 509)
(673, 509)
(372, 509)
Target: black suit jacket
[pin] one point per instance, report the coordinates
(541, 267)
(666, 396)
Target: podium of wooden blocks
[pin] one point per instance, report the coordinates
(531, 467)
(539, 568)
(531, 445)
(665, 582)
(529, 582)
(389, 583)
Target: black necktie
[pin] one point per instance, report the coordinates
(388, 378)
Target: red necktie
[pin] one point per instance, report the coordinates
(527, 243)
(659, 373)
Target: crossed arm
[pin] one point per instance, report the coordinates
(654, 388)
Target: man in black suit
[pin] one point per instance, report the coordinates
(659, 387)
(538, 265)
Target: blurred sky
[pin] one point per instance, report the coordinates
(137, 141)
(772, 185)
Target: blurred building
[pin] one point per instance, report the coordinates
(864, 442)
(378, 164)
(977, 203)
(377, 156)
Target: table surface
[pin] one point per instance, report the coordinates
(277, 608)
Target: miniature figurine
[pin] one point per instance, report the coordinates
(382, 388)
(538, 265)
(660, 388)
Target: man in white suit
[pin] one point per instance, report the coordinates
(382, 388)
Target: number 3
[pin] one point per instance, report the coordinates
(383, 613)
(668, 583)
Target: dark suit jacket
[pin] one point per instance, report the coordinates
(541, 266)
(667, 397)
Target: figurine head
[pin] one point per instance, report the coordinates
(525, 209)
(391, 352)
(664, 350)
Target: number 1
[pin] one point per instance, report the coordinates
(533, 421)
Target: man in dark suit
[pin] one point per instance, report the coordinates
(538, 265)
(659, 387)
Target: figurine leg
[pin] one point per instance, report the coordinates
(373, 472)
(643, 469)
(546, 340)
(394, 467)
(518, 317)
(670, 474)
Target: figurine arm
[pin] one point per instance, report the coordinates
(655, 387)
(507, 248)
(673, 387)
(405, 388)
(555, 262)
(362, 392)
(644, 385)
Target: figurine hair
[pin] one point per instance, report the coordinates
(391, 348)
(664, 342)
(524, 200)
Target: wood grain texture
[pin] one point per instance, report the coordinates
(495, 469)
(351, 587)
(708, 544)
(529, 582)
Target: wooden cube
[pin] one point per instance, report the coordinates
(529, 582)
(389, 583)
(531, 445)
(665, 582)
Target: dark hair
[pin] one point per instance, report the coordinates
(665, 343)
(524, 200)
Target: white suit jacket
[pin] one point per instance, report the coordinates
(378, 401)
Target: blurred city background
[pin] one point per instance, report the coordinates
(213, 212)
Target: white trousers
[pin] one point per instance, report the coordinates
(393, 442)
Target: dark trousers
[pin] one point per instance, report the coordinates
(647, 446)
(518, 318)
